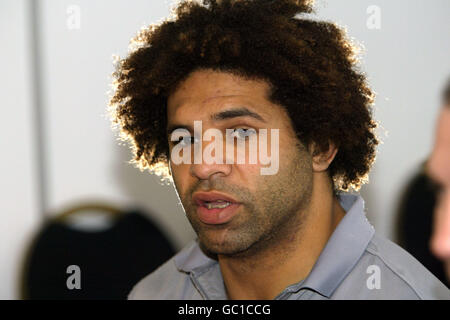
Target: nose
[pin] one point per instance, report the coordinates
(209, 166)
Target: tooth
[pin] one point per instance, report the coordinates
(217, 204)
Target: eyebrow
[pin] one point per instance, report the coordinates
(220, 116)
(235, 113)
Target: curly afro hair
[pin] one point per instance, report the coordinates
(310, 65)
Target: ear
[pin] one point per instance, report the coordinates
(321, 160)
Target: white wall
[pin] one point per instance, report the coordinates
(19, 213)
(406, 61)
(85, 159)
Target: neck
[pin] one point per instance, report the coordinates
(265, 273)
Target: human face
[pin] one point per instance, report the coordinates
(264, 208)
(439, 169)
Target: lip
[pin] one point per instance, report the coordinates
(215, 215)
(200, 197)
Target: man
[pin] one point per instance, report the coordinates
(240, 70)
(438, 168)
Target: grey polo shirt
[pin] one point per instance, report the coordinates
(356, 263)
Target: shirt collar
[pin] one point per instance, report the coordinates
(341, 253)
(192, 257)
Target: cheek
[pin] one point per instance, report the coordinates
(248, 175)
(181, 176)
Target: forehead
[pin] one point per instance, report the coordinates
(205, 91)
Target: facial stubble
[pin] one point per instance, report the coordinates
(270, 216)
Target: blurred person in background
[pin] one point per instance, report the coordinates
(438, 168)
(426, 199)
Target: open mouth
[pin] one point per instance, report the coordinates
(215, 208)
(219, 204)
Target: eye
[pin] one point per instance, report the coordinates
(243, 133)
(186, 141)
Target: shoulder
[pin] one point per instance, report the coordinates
(167, 282)
(401, 276)
(172, 279)
(157, 284)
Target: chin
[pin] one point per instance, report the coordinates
(222, 246)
